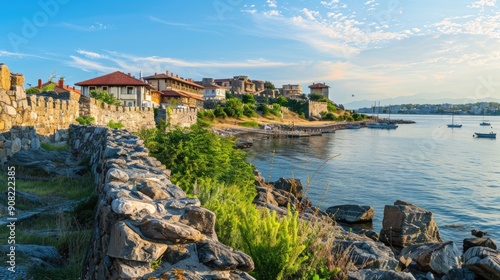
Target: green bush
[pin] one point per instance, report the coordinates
(115, 125)
(249, 124)
(105, 97)
(249, 110)
(220, 113)
(265, 110)
(276, 110)
(85, 120)
(248, 99)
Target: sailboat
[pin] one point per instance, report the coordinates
(453, 125)
(484, 123)
(381, 124)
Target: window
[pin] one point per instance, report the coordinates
(130, 90)
(130, 103)
(91, 88)
(105, 88)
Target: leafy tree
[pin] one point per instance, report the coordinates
(316, 97)
(105, 97)
(220, 113)
(248, 99)
(229, 95)
(234, 108)
(269, 85)
(281, 100)
(249, 110)
(265, 110)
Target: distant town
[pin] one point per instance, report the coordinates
(480, 108)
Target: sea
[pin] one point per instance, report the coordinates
(444, 170)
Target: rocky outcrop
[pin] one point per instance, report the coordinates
(350, 213)
(143, 219)
(478, 242)
(367, 254)
(290, 185)
(484, 262)
(407, 224)
(437, 258)
(379, 274)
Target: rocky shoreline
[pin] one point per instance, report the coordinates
(409, 246)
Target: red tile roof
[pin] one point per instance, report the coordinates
(165, 76)
(180, 93)
(113, 79)
(211, 86)
(65, 88)
(319, 85)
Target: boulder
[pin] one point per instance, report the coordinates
(437, 258)
(406, 224)
(350, 213)
(176, 253)
(131, 269)
(153, 189)
(379, 274)
(125, 244)
(201, 219)
(174, 232)
(478, 242)
(459, 274)
(222, 257)
(366, 254)
(293, 186)
(126, 206)
(484, 262)
(39, 255)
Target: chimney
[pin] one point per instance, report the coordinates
(166, 73)
(172, 75)
(177, 76)
(129, 74)
(39, 83)
(61, 83)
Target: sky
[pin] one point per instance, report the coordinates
(364, 50)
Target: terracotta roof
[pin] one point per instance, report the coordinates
(212, 86)
(57, 89)
(113, 79)
(319, 85)
(165, 76)
(180, 93)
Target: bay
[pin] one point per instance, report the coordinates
(446, 171)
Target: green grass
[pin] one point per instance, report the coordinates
(249, 124)
(60, 186)
(53, 147)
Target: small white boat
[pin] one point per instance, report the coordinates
(485, 135)
(485, 123)
(353, 126)
(453, 124)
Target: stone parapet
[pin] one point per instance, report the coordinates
(142, 217)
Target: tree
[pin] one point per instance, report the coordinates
(105, 97)
(248, 99)
(269, 85)
(282, 101)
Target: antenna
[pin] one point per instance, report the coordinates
(52, 76)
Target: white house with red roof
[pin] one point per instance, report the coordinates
(320, 89)
(129, 90)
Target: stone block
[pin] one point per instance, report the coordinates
(4, 77)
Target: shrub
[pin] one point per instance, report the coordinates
(85, 120)
(265, 110)
(115, 125)
(249, 110)
(248, 99)
(105, 97)
(249, 124)
(276, 110)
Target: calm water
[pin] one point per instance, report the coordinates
(443, 170)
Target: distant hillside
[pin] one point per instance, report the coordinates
(413, 100)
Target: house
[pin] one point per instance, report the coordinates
(212, 91)
(226, 83)
(169, 81)
(129, 90)
(242, 85)
(181, 98)
(320, 89)
(58, 88)
(292, 91)
(259, 85)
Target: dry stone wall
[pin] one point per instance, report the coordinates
(142, 217)
(182, 117)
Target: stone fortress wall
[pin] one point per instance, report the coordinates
(315, 108)
(142, 216)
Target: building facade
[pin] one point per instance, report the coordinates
(292, 91)
(320, 89)
(130, 91)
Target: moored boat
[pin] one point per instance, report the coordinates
(382, 125)
(485, 135)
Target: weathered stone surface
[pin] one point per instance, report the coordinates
(437, 258)
(201, 219)
(366, 254)
(169, 231)
(131, 269)
(117, 175)
(9, 110)
(4, 77)
(293, 186)
(182, 203)
(406, 224)
(128, 206)
(153, 189)
(350, 213)
(484, 262)
(370, 274)
(478, 242)
(176, 253)
(125, 244)
(459, 274)
(220, 256)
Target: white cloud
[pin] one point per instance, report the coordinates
(92, 55)
(369, 2)
(311, 15)
(482, 3)
(272, 13)
(272, 3)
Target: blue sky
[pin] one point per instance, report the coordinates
(371, 49)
